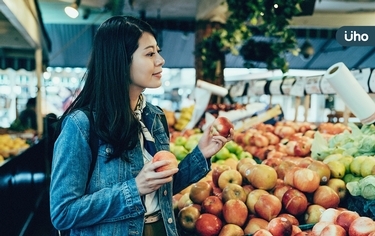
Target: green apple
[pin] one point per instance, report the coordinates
(232, 146)
(223, 154)
(350, 178)
(191, 144)
(244, 154)
(180, 152)
(180, 141)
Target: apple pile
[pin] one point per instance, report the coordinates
(250, 197)
(342, 222)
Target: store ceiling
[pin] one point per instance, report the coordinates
(328, 16)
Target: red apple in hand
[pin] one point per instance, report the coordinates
(208, 224)
(212, 205)
(165, 155)
(222, 126)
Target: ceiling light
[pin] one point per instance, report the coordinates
(72, 10)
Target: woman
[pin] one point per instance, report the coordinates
(124, 193)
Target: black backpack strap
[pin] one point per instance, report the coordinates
(94, 144)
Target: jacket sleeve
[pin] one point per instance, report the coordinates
(70, 206)
(191, 169)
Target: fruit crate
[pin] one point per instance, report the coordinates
(363, 206)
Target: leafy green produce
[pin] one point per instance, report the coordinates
(358, 142)
(364, 187)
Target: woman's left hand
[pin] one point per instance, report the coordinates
(210, 144)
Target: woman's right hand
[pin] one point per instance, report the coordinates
(148, 180)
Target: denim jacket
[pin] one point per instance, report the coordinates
(111, 204)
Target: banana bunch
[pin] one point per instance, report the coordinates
(185, 117)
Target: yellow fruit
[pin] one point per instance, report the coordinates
(355, 166)
(337, 169)
(368, 167)
(346, 160)
(332, 157)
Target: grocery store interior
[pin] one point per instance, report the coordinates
(44, 53)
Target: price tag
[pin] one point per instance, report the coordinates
(275, 87)
(326, 87)
(287, 85)
(312, 85)
(371, 81)
(362, 77)
(298, 88)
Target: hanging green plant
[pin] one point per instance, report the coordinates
(248, 18)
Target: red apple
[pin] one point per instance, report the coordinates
(187, 217)
(235, 212)
(255, 224)
(313, 213)
(280, 189)
(326, 197)
(208, 225)
(253, 197)
(280, 226)
(231, 230)
(294, 202)
(233, 191)
(247, 188)
(262, 232)
(229, 176)
(216, 172)
(306, 180)
(290, 217)
(268, 206)
(362, 226)
(329, 215)
(322, 169)
(262, 176)
(212, 205)
(200, 191)
(283, 168)
(222, 126)
(165, 155)
(345, 218)
(319, 226)
(333, 229)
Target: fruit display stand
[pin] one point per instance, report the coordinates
(289, 178)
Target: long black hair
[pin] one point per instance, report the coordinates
(106, 82)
